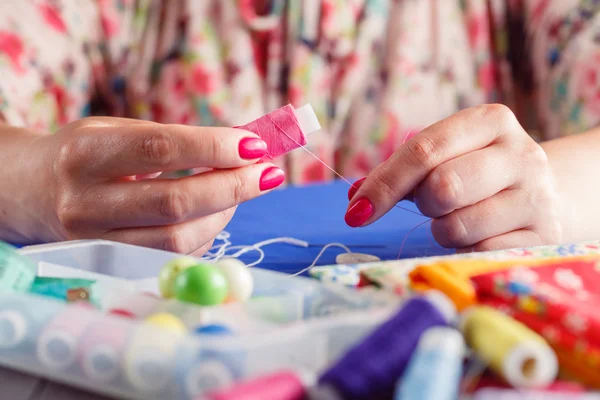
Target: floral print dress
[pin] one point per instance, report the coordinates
(373, 70)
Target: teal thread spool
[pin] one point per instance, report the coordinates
(435, 369)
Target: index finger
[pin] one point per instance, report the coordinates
(396, 178)
(139, 149)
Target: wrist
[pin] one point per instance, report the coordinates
(27, 191)
(566, 210)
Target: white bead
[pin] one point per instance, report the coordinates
(239, 278)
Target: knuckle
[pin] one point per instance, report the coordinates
(536, 155)
(216, 147)
(175, 241)
(446, 188)
(385, 187)
(238, 189)
(70, 156)
(158, 149)
(422, 152)
(450, 231)
(70, 216)
(499, 112)
(174, 204)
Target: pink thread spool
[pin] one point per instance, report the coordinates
(102, 347)
(58, 342)
(282, 385)
(284, 129)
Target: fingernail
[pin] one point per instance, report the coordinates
(252, 148)
(359, 213)
(411, 133)
(271, 178)
(354, 188)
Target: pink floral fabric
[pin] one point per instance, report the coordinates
(374, 70)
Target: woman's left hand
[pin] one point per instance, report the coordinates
(478, 174)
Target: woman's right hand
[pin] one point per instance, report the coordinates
(91, 167)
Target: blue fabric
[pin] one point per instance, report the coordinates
(316, 214)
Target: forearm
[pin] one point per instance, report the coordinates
(22, 193)
(575, 161)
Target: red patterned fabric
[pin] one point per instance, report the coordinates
(560, 302)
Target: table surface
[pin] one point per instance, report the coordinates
(314, 214)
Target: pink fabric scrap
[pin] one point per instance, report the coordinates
(281, 131)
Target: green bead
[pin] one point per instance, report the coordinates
(168, 273)
(201, 284)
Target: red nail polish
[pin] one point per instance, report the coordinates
(271, 178)
(252, 148)
(354, 188)
(359, 213)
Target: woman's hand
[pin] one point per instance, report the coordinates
(486, 184)
(92, 165)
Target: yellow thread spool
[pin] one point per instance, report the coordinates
(512, 350)
(166, 321)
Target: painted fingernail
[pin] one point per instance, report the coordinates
(252, 148)
(359, 213)
(411, 134)
(271, 178)
(354, 188)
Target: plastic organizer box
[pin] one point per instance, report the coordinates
(289, 323)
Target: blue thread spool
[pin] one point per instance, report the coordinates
(202, 367)
(22, 318)
(212, 329)
(371, 369)
(435, 370)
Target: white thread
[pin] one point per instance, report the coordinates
(319, 256)
(224, 249)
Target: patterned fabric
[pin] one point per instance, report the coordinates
(559, 301)
(394, 275)
(372, 69)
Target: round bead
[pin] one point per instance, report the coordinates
(201, 284)
(239, 278)
(168, 273)
(166, 321)
(212, 329)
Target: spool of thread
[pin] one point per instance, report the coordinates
(57, 346)
(149, 358)
(167, 321)
(511, 349)
(102, 346)
(371, 369)
(203, 367)
(435, 369)
(135, 305)
(283, 385)
(22, 319)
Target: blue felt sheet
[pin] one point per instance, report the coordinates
(316, 214)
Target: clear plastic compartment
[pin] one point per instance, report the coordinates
(292, 323)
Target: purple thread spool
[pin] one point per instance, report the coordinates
(371, 369)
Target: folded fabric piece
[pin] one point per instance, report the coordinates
(558, 300)
(452, 276)
(393, 275)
